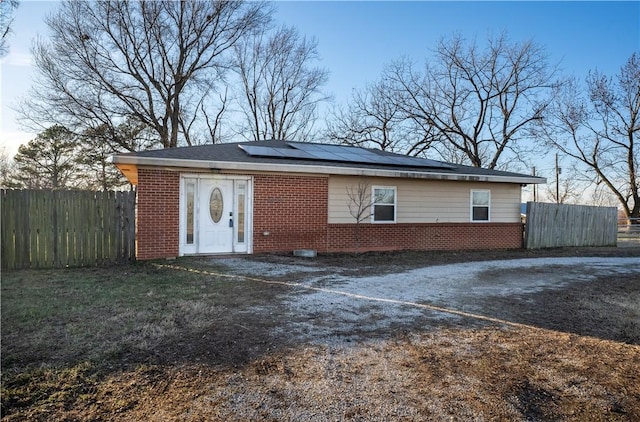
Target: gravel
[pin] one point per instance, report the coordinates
(332, 306)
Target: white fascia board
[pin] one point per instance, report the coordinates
(318, 169)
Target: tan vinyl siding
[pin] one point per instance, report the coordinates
(429, 201)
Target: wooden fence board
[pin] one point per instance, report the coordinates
(8, 248)
(44, 229)
(117, 228)
(59, 228)
(37, 225)
(62, 259)
(71, 232)
(558, 225)
(99, 230)
(130, 227)
(32, 229)
(21, 231)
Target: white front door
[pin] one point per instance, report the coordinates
(215, 214)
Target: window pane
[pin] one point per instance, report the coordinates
(383, 213)
(384, 196)
(190, 210)
(480, 213)
(215, 205)
(240, 212)
(481, 198)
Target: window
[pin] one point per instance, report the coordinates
(480, 205)
(190, 188)
(241, 189)
(383, 204)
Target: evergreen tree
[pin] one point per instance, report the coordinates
(49, 161)
(96, 147)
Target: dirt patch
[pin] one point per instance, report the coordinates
(589, 303)
(460, 374)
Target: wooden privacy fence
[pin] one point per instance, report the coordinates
(48, 229)
(558, 225)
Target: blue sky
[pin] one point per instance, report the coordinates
(356, 39)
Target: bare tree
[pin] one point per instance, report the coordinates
(359, 203)
(7, 8)
(601, 196)
(281, 88)
(566, 187)
(598, 127)
(374, 119)
(215, 122)
(158, 62)
(480, 102)
(6, 168)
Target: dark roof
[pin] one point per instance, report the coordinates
(237, 153)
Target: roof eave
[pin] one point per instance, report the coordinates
(123, 160)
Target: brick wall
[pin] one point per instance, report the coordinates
(289, 212)
(431, 236)
(158, 213)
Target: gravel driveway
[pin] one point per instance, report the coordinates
(333, 306)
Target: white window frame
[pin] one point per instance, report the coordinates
(472, 205)
(373, 204)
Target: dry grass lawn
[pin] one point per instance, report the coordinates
(143, 343)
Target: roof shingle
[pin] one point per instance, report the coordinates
(234, 153)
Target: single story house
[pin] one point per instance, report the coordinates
(277, 196)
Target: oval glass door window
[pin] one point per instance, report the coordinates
(216, 205)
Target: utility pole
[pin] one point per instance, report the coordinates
(558, 172)
(535, 187)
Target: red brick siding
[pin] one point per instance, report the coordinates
(158, 214)
(292, 210)
(426, 236)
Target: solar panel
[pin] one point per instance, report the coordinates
(338, 153)
(262, 151)
(333, 149)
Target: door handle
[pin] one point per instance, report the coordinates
(231, 222)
